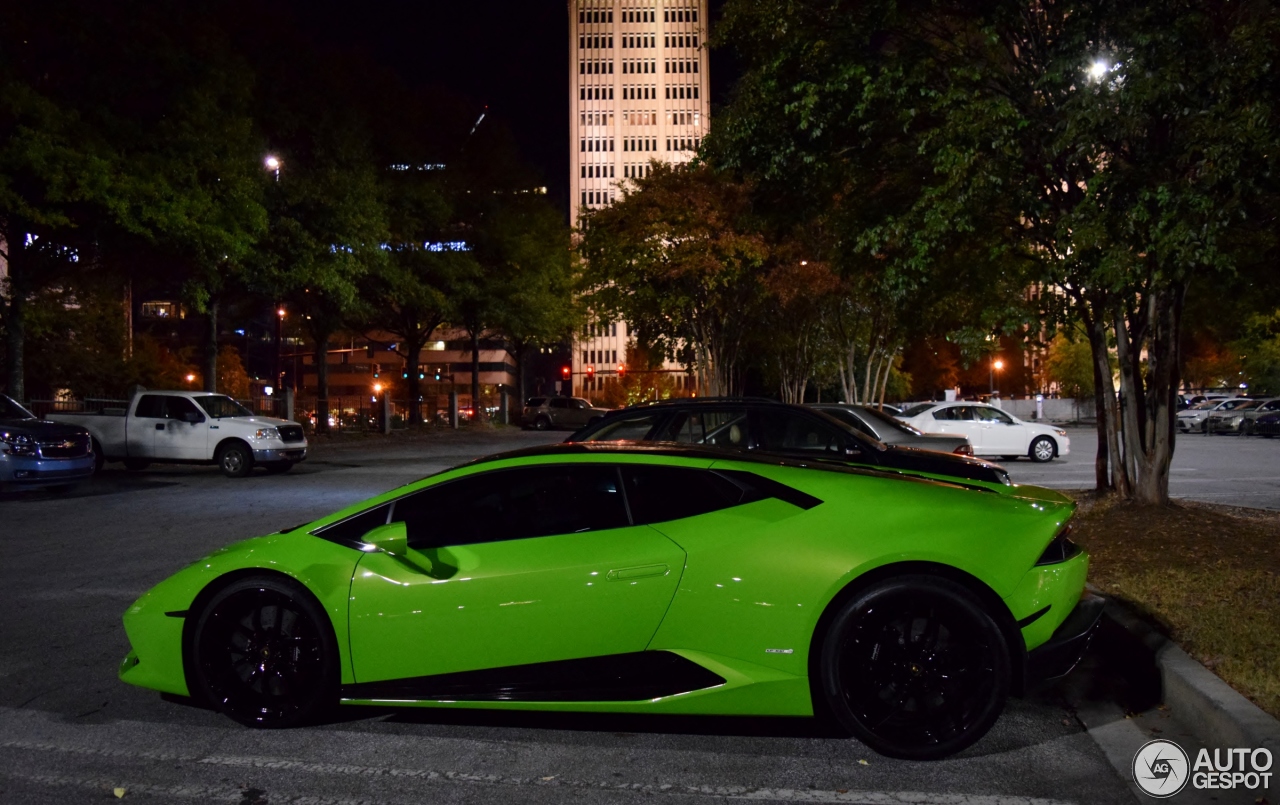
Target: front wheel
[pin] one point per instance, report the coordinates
(1042, 449)
(915, 668)
(263, 652)
(235, 461)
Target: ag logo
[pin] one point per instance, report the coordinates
(1161, 768)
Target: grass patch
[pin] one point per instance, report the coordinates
(1209, 576)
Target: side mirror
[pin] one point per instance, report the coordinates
(392, 538)
(194, 417)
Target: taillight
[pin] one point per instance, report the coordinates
(1060, 549)
(964, 450)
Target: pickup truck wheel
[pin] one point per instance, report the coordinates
(263, 651)
(235, 461)
(99, 458)
(136, 464)
(279, 467)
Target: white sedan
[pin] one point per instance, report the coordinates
(992, 432)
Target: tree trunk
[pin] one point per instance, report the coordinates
(475, 373)
(322, 380)
(1103, 399)
(211, 350)
(1152, 393)
(413, 386)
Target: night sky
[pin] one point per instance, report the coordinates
(509, 55)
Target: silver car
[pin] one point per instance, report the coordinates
(544, 413)
(882, 427)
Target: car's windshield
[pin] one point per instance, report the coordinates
(1206, 404)
(218, 406)
(11, 410)
(916, 410)
(881, 417)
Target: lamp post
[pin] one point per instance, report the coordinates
(272, 163)
(275, 365)
(996, 365)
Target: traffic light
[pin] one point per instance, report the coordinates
(591, 372)
(622, 370)
(437, 374)
(564, 372)
(376, 370)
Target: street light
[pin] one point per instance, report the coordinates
(191, 378)
(272, 164)
(275, 368)
(995, 367)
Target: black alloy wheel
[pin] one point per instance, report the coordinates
(263, 652)
(1042, 449)
(915, 668)
(541, 423)
(235, 461)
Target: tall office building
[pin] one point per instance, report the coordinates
(638, 91)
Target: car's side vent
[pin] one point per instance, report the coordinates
(1060, 550)
(758, 488)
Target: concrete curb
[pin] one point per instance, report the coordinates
(1216, 713)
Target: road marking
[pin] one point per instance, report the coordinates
(848, 797)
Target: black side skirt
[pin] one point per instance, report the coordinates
(614, 678)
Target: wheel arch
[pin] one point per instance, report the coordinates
(227, 442)
(988, 597)
(220, 583)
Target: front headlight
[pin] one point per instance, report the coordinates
(18, 444)
(1060, 432)
(266, 433)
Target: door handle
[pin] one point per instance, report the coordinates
(642, 572)
(160, 426)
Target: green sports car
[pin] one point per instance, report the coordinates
(640, 579)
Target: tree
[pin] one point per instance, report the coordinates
(678, 257)
(1100, 148)
(1070, 364)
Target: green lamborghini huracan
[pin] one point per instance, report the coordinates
(641, 579)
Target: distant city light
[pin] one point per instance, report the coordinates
(999, 365)
(191, 378)
(272, 163)
(1098, 70)
(268, 390)
(447, 246)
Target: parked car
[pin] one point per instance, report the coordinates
(1196, 418)
(1251, 415)
(767, 426)
(641, 579)
(36, 453)
(883, 427)
(1230, 420)
(991, 431)
(543, 413)
(1266, 425)
(191, 427)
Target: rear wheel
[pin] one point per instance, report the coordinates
(235, 460)
(263, 652)
(541, 423)
(915, 668)
(99, 458)
(1042, 449)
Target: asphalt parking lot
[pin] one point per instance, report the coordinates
(1214, 468)
(70, 732)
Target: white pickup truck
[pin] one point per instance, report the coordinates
(191, 427)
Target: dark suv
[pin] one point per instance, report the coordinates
(777, 428)
(542, 413)
(35, 453)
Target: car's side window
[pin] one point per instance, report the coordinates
(351, 531)
(176, 407)
(717, 428)
(150, 406)
(631, 429)
(559, 402)
(513, 504)
(993, 415)
(944, 414)
(659, 494)
(851, 419)
(789, 432)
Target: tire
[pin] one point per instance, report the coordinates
(264, 654)
(98, 457)
(1043, 449)
(1244, 428)
(235, 460)
(136, 464)
(541, 423)
(279, 467)
(915, 668)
